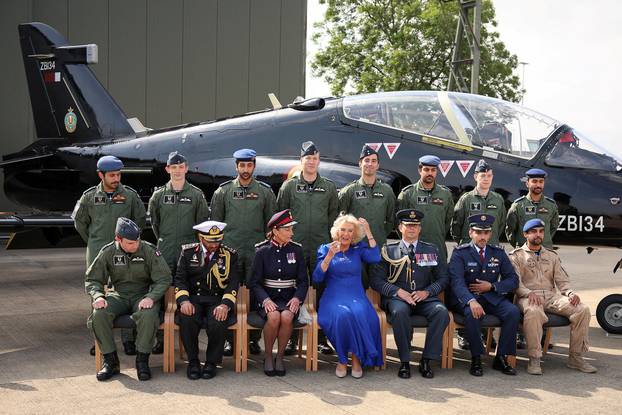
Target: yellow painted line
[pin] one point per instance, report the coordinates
(446, 143)
(443, 99)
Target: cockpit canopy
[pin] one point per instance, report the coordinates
(475, 120)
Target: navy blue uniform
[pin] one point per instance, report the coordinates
(424, 272)
(464, 268)
(279, 273)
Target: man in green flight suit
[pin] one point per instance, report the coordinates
(140, 277)
(95, 216)
(434, 200)
(480, 200)
(313, 202)
(174, 209)
(245, 205)
(532, 206)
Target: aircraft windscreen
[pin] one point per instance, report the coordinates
(574, 149)
(469, 119)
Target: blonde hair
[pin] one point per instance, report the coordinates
(351, 219)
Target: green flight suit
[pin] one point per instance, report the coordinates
(95, 216)
(524, 209)
(173, 214)
(315, 207)
(437, 206)
(470, 203)
(375, 203)
(134, 276)
(246, 211)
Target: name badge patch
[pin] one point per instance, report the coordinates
(471, 264)
(119, 260)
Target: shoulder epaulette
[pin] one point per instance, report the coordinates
(426, 243)
(328, 180)
(262, 243)
(107, 245)
(463, 246)
(550, 200)
(195, 187)
(264, 184)
(550, 250)
(408, 187)
(89, 189)
(188, 246)
(130, 189)
(228, 248)
(225, 183)
(150, 245)
(514, 250)
(296, 243)
(519, 199)
(496, 246)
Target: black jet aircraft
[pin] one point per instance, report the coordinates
(77, 122)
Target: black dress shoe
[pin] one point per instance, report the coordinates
(279, 369)
(92, 351)
(253, 347)
(158, 348)
(194, 370)
(227, 349)
(291, 348)
(325, 349)
(209, 370)
(476, 366)
(269, 371)
(129, 348)
(501, 363)
(142, 366)
(425, 369)
(110, 367)
(404, 370)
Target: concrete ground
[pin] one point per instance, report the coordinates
(45, 366)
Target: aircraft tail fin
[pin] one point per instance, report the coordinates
(67, 99)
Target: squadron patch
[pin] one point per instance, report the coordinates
(99, 200)
(422, 200)
(301, 188)
(531, 263)
(360, 194)
(238, 194)
(71, 121)
(169, 199)
(119, 260)
(476, 206)
(530, 210)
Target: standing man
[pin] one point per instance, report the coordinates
(95, 216)
(174, 208)
(481, 275)
(435, 201)
(212, 298)
(532, 206)
(313, 202)
(479, 201)
(545, 286)
(370, 198)
(410, 278)
(140, 277)
(245, 205)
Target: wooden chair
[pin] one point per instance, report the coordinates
(237, 327)
(555, 320)
(416, 322)
(255, 322)
(125, 322)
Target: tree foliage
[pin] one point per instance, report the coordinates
(389, 45)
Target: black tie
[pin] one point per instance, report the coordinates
(411, 252)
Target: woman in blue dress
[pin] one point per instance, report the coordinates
(345, 314)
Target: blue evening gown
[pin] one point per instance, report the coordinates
(345, 314)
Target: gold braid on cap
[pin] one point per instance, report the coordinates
(396, 266)
(222, 279)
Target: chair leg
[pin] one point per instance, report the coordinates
(444, 348)
(450, 344)
(314, 351)
(308, 355)
(244, 350)
(512, 361)
(547, 340)
(98, 357)
(182, 350)
(238, 350)
(489, 334)
(300, 335)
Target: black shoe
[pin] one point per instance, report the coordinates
(521, 342)
(92, 351)
(463, 343)
(110, 367)
(291, 348)
(158, 348)
(129, 348)
(142, 366)
(425, 369)
(404, 371)
(476, 366)
(325, 348)
(209, 370)
(194, 370)
(279, 370)
(253, 347)
(227, 350)
(269, 371)
(501, 363)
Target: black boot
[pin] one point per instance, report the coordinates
(142, 366)
(129, 348)
(110, 366)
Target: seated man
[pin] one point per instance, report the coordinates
(410, 278)
(480, 277)
(140, 277)
(206, 285)
(545, 286)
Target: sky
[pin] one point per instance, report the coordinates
(573, 51)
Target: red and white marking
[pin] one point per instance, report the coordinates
(464, 166)
(375, 146)
(391, 148)
(445, 166)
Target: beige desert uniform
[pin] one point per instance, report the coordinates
(544, 275)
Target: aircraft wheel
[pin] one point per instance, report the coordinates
(609, 313)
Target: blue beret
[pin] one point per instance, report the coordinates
(482, 167)
(533, 223)
(245, 154)
(109, 163)
(127, 229)
(481, 222)
(308, 148)
(409, 216)
(175, 158)
(367, 150)
(429, 161)
(535, 173)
